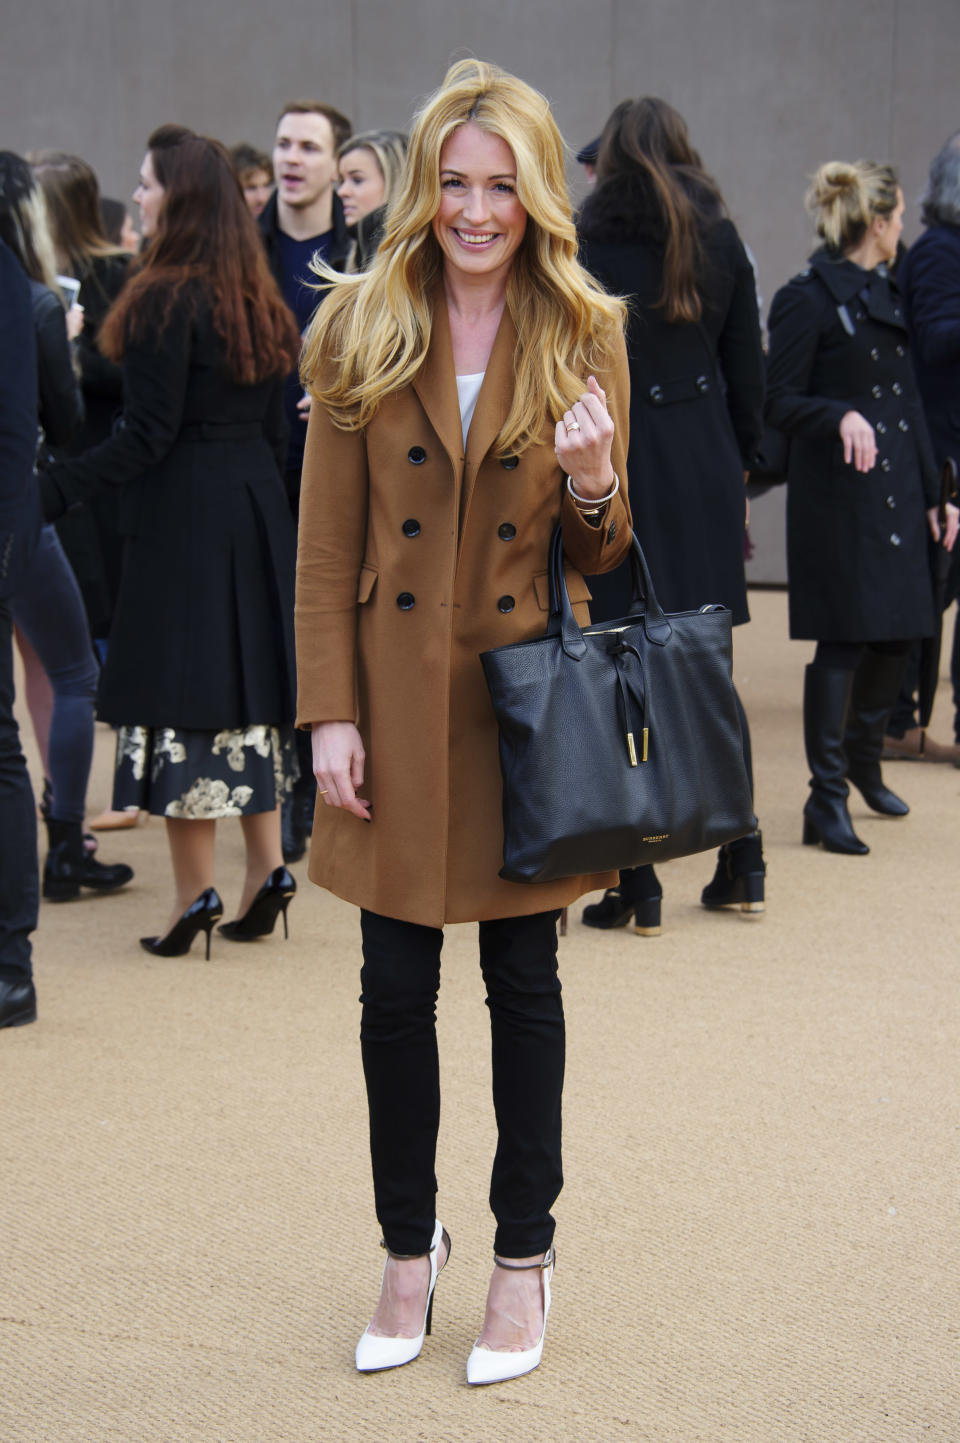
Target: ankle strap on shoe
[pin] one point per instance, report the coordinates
(549, 1259)
(405, 1257)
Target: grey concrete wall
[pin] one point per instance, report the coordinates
(770, 87)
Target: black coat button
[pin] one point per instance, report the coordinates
(507, 531)
(656, 394)
(901, 351)
(406, 600)
(897, 389)
(892, 503)
(885, 464)
(903, 425)
(509, 463)
(417, 455)
(881, 428)
(895, 539)
(703, 385)
(877, 392)
(411, 527)
(506, 603)
(874, 354)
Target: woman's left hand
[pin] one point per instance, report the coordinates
(583, 443)
(950, 530)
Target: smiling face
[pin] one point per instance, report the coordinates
(149, 197)
(303, 160)
(362, 187)
(480, 222)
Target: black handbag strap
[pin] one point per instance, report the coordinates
(563, 621)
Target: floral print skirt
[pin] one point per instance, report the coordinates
(204, 775)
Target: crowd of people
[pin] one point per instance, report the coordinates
(383, 367)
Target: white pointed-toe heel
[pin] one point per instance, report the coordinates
(375, 1353)
(488, 1365)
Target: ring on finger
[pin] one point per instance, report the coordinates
(572, 426)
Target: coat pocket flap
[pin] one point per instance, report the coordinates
(366, 583)
(577, 588)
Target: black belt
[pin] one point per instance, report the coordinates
(221, 431)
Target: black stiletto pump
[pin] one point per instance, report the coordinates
(200, 916)
(260, 918)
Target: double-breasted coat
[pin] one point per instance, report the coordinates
(416, 554)
(696, 408)
(202, 637)
(857, 549)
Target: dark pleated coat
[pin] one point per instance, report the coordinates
(202, 637)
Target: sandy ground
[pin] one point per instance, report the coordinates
(757, 1237)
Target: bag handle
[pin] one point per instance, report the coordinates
(563, 621)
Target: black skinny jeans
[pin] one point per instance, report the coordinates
(400, 979)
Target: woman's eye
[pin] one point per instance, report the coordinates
(505, 186)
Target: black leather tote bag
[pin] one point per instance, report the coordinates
(620, 743)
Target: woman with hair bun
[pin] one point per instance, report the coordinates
(863, 489)
(369, 166)
(460, 411)
(199, 671)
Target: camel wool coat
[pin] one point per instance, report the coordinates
(415, 555)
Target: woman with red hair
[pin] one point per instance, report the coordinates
(199, 672)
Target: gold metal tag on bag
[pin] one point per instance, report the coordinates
(632, 746)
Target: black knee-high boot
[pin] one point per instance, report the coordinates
(826, 696)
(876, 686)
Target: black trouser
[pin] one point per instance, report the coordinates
(400, 979)
(18, 828)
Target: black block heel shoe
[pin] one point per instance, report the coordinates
(200, 916)
(638, 896)
(260, 918)
(739, 878)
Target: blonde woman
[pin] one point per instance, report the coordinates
(369, 166)
(863, 489)
(470, 390)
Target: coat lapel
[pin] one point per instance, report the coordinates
(493, 404)
(436, 386)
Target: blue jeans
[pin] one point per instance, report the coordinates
(48, 608)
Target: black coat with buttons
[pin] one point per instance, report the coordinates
(696, 406)
(857, 550)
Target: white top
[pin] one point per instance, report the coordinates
(468, 389)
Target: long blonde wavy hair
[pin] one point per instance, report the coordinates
(370, 336)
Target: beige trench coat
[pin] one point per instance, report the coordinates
(413, 559)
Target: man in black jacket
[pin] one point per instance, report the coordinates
(303, 218)
(19, 529)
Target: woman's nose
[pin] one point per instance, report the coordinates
(475, 205)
